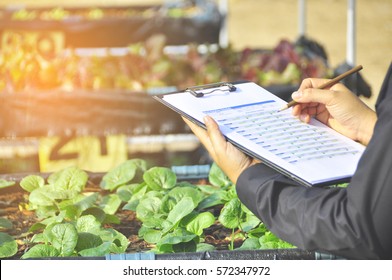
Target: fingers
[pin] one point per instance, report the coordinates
(197, 130)
(313, 96)
(217, 140)
(312, 83)
(200, 133)
(313, 102)
(212, 139)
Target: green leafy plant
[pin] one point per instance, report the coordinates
(72, 221)
(168, 212)
(6, 183)
(83, 237)
(174, 215)
(8, 245)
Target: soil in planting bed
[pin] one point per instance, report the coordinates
(13, 208)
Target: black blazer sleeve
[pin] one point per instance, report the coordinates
(353, 222)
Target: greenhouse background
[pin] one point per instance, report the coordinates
(77, 81)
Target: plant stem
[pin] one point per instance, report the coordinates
(232, 240)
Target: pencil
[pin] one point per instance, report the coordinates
(328, 84)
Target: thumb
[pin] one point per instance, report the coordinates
(310, 95)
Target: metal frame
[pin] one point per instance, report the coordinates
(351, 28)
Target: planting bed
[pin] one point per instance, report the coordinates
(132, 208)
(22, 220)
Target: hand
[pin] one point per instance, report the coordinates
(231, 160)
(336, 107)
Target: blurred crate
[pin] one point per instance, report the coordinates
(119, 26)
(56, 112)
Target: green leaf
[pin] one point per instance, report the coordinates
(132, 205)
(142, 230)
(97, 212)
(71, 179)
(180, 192)
(157, 194)
(6, 184)
(87, 240)
(43, 196)
(71, 212)
(110, 203)
(125, 192)
(155, 221)
(49, 195)
(152, 236)
(185, 247)
(214, 199)
(200, 222)
(98, 251)
(74, 208)
(250, 244)
(271, 241)
(250, 222)
(182, 209)
(230, 215)
(258, 231)
(5, 223)
(8, 246)
(64, 238)
(43, 212)
(111, 219)
(158, 178)
(32, 182)
(208, 189)
(87, 201)
(41, 251)
(164, 248)
(148, 207)
(36, 227)
(204, 247)
(141, 168)
(179, 235)
(39, 238)
(217, 178)
(138, 193)
(53, 220)
(140, 163)
(88, 223)
(119, 241)
(121, 174)
(188, 218)
(168, 204)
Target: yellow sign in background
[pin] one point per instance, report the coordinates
(90, 153)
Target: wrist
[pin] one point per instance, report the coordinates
(365, 131)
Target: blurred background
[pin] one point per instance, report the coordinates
(264, 22)
(77, 76)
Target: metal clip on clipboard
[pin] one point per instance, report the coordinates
(199, 91)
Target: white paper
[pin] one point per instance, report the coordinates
(250, 116)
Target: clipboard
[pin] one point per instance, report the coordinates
(249, 118)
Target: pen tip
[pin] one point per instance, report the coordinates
(282, 109)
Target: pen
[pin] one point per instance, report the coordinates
(327, 84)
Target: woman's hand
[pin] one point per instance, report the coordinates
(336, 107)
(231, 160)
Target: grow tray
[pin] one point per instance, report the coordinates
(117, 26)
(56, 112)
(13, 207)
